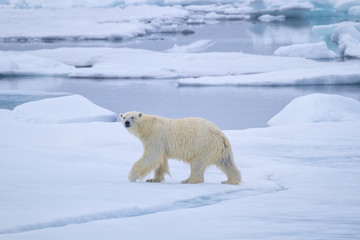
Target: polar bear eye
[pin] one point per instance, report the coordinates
(132, 117)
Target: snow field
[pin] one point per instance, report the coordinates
(66, 180)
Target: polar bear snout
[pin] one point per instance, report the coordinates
(127, 124)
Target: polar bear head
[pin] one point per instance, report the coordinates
(129, 119)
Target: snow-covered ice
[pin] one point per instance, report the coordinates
(60, 181)
(228, 66)
(18, 63)
(306, 50)
(329, 73)
(318, 108)
(86, 23)
(65, 109)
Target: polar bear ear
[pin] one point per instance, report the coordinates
(121, 115)
(140, 114)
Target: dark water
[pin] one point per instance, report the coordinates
(228, 107)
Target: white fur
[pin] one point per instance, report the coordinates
(193, 140)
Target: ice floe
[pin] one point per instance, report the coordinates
(318, 108)
(230, 67)
(18, 63)
(86, 23)
(66, 109)
(330, 73)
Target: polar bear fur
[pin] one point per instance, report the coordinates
(193, 140)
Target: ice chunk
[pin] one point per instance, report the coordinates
(354, 13)
(271, 18)
(68, 109)
(348, 39)
(198, 46)
(317, 108)
(306, 50)
(345, 5)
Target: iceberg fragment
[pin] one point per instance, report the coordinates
(348, 39)
(198, 46)
(346, 35)
(271, 18)
(317, 108)
(67, 109)
(354, 13)
(307, 50)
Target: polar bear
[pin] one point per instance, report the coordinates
(193, 140)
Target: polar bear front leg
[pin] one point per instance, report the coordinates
(144, 166)
(160, 172)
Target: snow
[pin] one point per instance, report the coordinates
(59, 181)
(65, 109)
(306, 50)
(318, 108)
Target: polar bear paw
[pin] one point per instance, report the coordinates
(192, 181)
(154, 180)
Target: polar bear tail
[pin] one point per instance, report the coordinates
(227, 164)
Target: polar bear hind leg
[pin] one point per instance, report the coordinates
(227, 165)
(198, 168)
